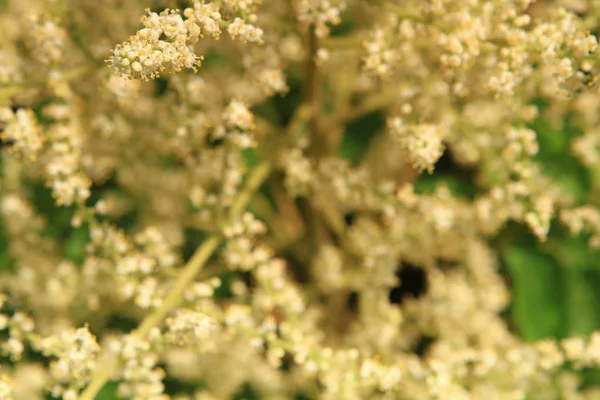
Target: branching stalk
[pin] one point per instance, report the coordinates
(187, 275)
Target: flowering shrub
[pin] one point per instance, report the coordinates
(299, 199)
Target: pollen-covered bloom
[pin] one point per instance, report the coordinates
(189, 327)
(76, 353)
(22, 130)
(422, 142)
(163, 45)
(319, 13)
(245, 32)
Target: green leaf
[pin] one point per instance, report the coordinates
(568, 174)
(571, 252)
(246, 392)
(59, 218)
(74, 247)
(558, 162)
(251, 158)
(550, 139)
(5, 261)
(537, 290)
(458, 185)
(581, 302)
(108, 392)
(359, 134)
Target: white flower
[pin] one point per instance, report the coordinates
(237, 115)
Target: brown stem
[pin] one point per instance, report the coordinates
(313, 94)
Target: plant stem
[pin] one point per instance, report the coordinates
(190, 271)
(256, 178)
(8, 92)
(344, 42)
(400, 11)
(221, 206)
(187, 275)
(312, 93)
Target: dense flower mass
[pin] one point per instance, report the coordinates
(317, 199)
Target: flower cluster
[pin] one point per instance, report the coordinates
(241, 251)
(190, 327)
(166, 43)
(146, 55)
(76, 354)
(141, 378)
(22, 130)
(48, 41)
(422, 142)
(319, 13)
